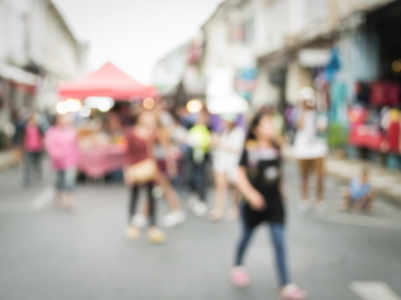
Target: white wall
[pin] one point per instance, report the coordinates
(169, 71)
(297, 78)
(14, 26)
(271, 20)
(265, 92)
(31, 30)
(61, 51)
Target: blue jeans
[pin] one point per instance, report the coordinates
(277, 232)
(33, 165)
(198, 179)
(66, 180)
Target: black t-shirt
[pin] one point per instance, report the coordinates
(263, 168)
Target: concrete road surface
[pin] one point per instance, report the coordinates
(46, 253)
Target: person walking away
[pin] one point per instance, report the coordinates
(168, 170)
(61, 144)
(310, 148)
(179, 138)
(225, 162)
(200, 140)
(260, 181)
(33, 143)
(140, 171)
(18, 135)
(359, 195)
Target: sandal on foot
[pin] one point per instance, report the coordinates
(156, 236)
(292, 292)
(239, 277)
(132, 233)
(215, 215)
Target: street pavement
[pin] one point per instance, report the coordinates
(46, 253)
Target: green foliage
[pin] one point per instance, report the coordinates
(337, 135)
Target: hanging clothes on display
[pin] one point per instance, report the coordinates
(362, 93)
(338, 111)
(393, 131)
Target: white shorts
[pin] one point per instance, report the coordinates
(228, 168)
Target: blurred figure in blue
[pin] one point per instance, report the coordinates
(359, 195)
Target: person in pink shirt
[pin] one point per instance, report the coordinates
(62, 147)
(33, 150)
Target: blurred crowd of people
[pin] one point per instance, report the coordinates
(166, 152)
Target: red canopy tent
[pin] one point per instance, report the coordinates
(108, 81)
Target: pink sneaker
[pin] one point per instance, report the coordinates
(239, 277)
(292, 292)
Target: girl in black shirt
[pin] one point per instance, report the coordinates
(260, 182)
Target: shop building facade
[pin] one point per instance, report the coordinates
(37, 51)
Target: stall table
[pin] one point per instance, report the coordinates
(98, 161)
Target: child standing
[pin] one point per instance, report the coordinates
(260, 181)
(62, 147)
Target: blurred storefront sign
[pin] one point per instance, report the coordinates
(245, 82)
(314, 57)
(237, 31)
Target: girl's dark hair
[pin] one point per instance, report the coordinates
(255, 123)
(134, 118)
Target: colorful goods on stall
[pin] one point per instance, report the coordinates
(392, 133)
(360, 134)
(384, 94)
(99, 153)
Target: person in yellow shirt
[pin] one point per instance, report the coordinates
(200, 140)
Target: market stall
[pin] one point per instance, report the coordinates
(101, 142)
(375, 120)
(108, 81)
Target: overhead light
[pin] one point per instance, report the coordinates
(194, 106)
(396, 66)
(103, 104)
(149, 103)
(85, 111)
(73, 105)
(62, 108)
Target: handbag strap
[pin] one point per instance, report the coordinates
(149, 148)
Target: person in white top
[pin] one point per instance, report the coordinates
(225, 163)
(310, 147)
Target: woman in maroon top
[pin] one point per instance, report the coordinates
(140, 142)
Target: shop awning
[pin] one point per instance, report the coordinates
(18, 75)
(108, 81)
